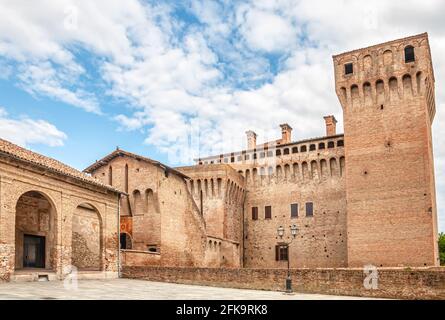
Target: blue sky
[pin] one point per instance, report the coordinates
(173, 80)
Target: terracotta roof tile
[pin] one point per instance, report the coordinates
(12, 150)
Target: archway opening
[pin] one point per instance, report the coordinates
(86, 238)
(125, 241)
(35, 232)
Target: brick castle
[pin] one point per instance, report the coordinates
(363, 197)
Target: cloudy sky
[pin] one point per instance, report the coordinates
(173, 80)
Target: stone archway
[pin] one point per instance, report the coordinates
(35, 231)
(86, 242)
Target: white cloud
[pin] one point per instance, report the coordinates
(217, 73)
(267, 31)
(25, 131)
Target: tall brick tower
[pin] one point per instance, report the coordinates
(387, 95)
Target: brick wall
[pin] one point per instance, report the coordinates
(392, 282)
(140, 258)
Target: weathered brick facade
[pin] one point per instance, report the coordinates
(365, 197)
(159, 215)
(73, 215)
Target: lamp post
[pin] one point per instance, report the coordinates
(280, 232)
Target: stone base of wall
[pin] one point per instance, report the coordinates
(398, 283)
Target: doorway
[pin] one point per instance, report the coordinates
(33, 251)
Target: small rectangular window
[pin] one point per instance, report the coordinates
(281, 252)
(309, 209)
(232, 159)
(254, 213)
(409, 54)
(267, 212)
(349, 69)
(294, 210)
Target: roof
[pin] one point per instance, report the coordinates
(262, 146)
(425, 34)
(11, 150)
(118, 153)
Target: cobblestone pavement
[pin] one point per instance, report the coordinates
(141, 290)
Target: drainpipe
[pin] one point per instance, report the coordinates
(119, 236)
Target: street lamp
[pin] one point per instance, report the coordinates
(280, 232)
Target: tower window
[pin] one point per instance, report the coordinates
(309, 209)
(409, 54)
(294, 210)
(254, 213)
(268, 212)
(349, 68)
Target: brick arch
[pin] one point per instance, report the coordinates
(380, 91)
(419, 83)
(87, 241)
(411, 42)
(43, 223)
(388, 57)
(367, 61)
(407, 85)
(50, 195)
(137, 202)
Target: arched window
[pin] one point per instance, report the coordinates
(321, 145)
(278, 152)
(409, 54)
(303, 149)
(340, 143)
(331, 144)
(286, 151)
(110, 175)
(126, 178)
(295, 150)
(312, 147)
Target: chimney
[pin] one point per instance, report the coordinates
(331, 125)
(251, 140)
(286, 133)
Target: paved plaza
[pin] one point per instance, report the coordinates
(122, 289)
